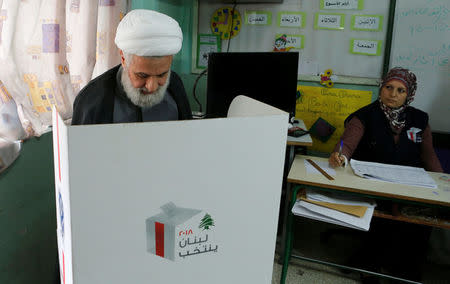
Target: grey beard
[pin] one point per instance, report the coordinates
(137, 97)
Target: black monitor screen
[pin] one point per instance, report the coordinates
(269, 77)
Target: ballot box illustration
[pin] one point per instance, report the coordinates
(178, 233)
(170, 201)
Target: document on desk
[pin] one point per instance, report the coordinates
(330, 215)
(393, 173)
(339, 198)
(308, 210)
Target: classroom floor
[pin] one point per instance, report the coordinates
(310, 242)
(307, 272)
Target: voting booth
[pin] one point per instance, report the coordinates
(170, 202)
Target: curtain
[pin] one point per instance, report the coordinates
(49, 50)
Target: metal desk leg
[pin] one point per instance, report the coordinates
(288, 241)
(287, 196)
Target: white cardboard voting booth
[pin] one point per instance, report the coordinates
(170, 202)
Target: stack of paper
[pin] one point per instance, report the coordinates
(393, 173)
(336, 208)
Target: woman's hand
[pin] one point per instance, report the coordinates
(336, 160)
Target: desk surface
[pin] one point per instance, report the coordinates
(304, 140)
(346, 180)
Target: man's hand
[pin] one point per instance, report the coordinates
(336, 160)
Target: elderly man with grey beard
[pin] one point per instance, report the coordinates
(143, 87)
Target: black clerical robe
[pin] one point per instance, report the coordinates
(95, 102)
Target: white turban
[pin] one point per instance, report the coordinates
(148, 33)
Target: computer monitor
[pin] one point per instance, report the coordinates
(269, 77)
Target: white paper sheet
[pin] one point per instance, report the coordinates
(320, 213)
(393, 173)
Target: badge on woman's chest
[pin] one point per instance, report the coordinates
(414, 134)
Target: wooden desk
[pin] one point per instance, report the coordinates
(345, 180)
(304, 140)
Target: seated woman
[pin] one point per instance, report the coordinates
(389, 130)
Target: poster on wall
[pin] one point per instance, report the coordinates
(207, 43)
(329, 104)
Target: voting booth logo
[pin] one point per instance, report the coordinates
(180, 233)
(414, 134)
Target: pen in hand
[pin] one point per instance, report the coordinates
(340, 152)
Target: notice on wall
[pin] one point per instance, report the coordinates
(258, 18)
(329, 21)
(288, 19)
(341, 4)
(365, 46)
(333, 105)
(207, 44)
(372, 23)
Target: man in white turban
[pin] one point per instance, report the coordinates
(142, 87)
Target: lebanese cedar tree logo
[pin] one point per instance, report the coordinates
(206, 222)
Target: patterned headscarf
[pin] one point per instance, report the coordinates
(396, 117)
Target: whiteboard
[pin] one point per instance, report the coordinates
(322, 49)
(421, 43)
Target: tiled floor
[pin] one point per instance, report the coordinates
(303, 272)
(309, 241)
(307, 272)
